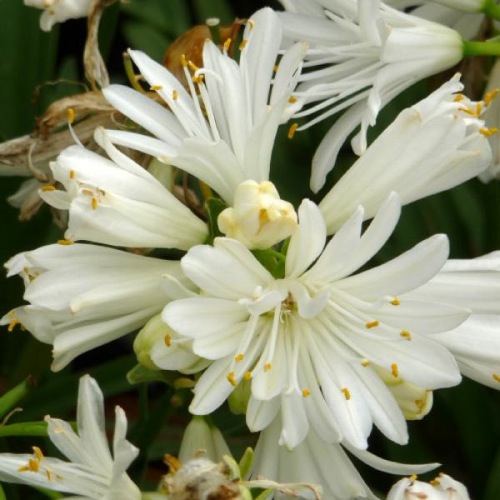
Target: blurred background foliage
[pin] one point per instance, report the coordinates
(36, 68)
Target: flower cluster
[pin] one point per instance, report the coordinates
(282, 310)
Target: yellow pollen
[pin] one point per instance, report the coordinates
(306, 393)
(496, 377)
(239, 357)
(231, 379)
(48, 187)
(251, 23)
(372, 324)
(413, 477)
(227, 44)
(292, 99)
(487, 132)
(395, 301)
(168, 340)
(243, 44)
(458, 98)
(65, 242)
(33, 466)
(490, 96)
(184, 60)
(192, 66)
(395, 370)
(479, 109)
(71, 174)
(175, 95)
(346, 393)
(291, 131)
(365, 363)
(435, 482)
(71, 115)
(267, 367)
(247, 376)
(405, 334)
(156, 87)
(94, 203)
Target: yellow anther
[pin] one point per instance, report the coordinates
(346, 393)
(239, 357)
(469, 112)
(231, 379)
(71, 174)
(372, 324)
(479, 109)
(38, 453)
(306, 393)
(48, 473)
(71, 115)
(365, 363)
(458, 98)
(413, 477)
(487, 132)
(168, 340)
(395, 301)
(291, 131)
(395, 370)
(292, 99)
(251, 24)
(94, 203)
(192, 66)
(435, 482)
(419, 403)
(243, 44)
(405, 334)
(65, 242)
(276, 67)
(247, 376)
(184, 60)
(175, 95)
(33, 465)
(267, 367)
(496, 377)
(490, 96)
(227, 44)
(48, 187)
(156, 87)
(13, 324)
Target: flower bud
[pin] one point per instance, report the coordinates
(441, 488)
(154, 330)
(259, 218)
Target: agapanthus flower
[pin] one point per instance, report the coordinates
(442, 488)
(58, 11)
(361, 55)
(91, 471)
(83, 296)
(436, 144)
(222, 129)
(309, 339)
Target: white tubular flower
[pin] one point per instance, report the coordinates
(259, 218)
(58, 11)
(366, 53)
(441, 488)
(117, 202)
(91, 472)
(322, 463)
(83, 296)
(436, 144)
(307, 339)
(222, 131)
(202, 438)
(474, 284)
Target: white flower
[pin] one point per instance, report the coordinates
(361, 55)
(83, 296)
(91, 472)
(117, 202)
(436, 144)
(259, 218)
(222, 131)
(316, 461)
(441, 488)
(58, 11)
(307, 339)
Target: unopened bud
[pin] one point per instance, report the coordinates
(152, 331)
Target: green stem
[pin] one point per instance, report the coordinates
(481, 48)
(492, 9)
(24, 429)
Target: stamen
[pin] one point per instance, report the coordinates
(458, 98)
(496, 377)
(405, 334)
(94, 203)
(365, 363)
(156, 87)
(226, 45)
(71, 174)
(175, 95)
(346, 393)
(413, 477)
(239, 357)
(395, 370)
(38, 453)
(183, 60)
(231, 379)
(395, 301)
(13, 324)
(435, 482)
(168, 340)
(487, 132)
(243, 44)
(192, 66)
(306, 393)
(251, 24)
(291, 131)
(490, 96)
(267, 367)
(247, 376)
(479, 109)
(71, 115)
(292, 99)
(65, 242)
(419, 403)
(372, 324)
(276, 67)
(48, 187)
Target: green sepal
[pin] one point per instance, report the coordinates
(214, 206)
